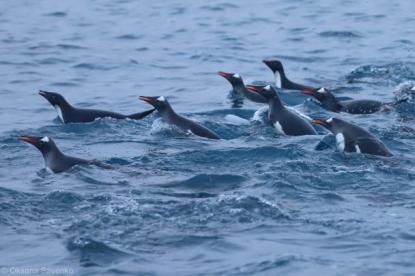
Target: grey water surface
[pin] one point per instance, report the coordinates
(253, 203)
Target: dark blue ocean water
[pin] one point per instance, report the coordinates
(252, 203)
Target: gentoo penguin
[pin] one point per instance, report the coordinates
(329, 102)
(69, 114)
(352, 138)
(171, 117)
(284, 120)
(55, 160)
(239, 86)
(281, 80)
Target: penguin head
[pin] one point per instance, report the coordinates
(233, 78)
(44, 144)
(159, 102)
(274, 64)
(266, 91)
(53, 98)
(325, 97)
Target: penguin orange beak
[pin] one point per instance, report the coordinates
(320, 122)
(254, 88)
(310, 92)
(29, 139)
(225, 75)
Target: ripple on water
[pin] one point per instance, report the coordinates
(71, 47)
(129, 37)
(209, 182)
(339, 34)
(94, 253)
(56, 14)
(387, 74)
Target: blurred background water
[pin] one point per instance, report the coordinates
(252, 203)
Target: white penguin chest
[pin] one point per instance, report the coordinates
(278, 79)
(48, 165)
(279, 128)
(340, 142)
(59, 111)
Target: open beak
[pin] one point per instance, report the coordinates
(310, 92)
(42, 93)
(147, 99)
(28, 139)
(46, 95)
(225, 75)
(319, 122)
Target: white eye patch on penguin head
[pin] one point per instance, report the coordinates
(45, 139)
(161, 99)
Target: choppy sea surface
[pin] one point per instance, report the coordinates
(252, 203)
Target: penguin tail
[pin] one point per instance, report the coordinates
(398, 101)
(140, 115)
(100, 164)
(388, 106)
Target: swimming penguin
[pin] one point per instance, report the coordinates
(284, 120)
(329, 102)
(239, 86)
(69, 114)
(281, 80)
(171, 117)
(352, 138)
(55, 160)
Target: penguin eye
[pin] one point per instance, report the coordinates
(268, 87)
(236, 76)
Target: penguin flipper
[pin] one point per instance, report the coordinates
(203, 132)
(140, 115)
(198, 130)
(328, 141)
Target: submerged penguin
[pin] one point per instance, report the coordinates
(171, 117)
(55, 160)
(352, 138)
(239, 87)
(281, 80)
(285, 121)
(330, 102)
(70, 114)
